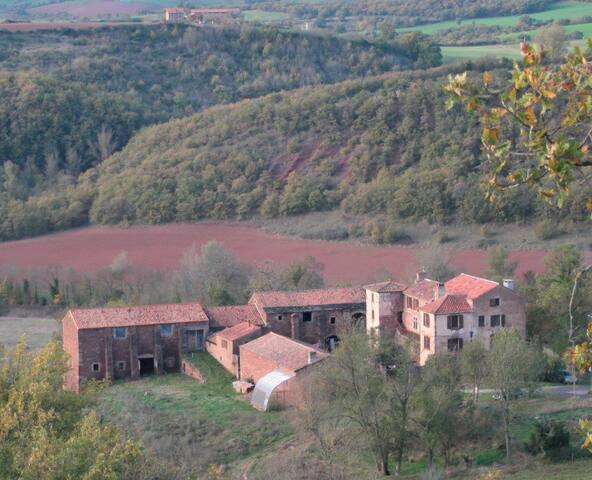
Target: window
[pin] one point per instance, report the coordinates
(96, 367)
(455, 344)
(166, 330)
(415, 304)
(494, 302)
(121, 365)
(454, 322)
(503, 320)
(400, 317)
(415, 324)
(279, 317)
(307, 316)
(481, 320)
(332, 319)
(119, 332)
(426, 343)
(409, 302)
(372, 313)
(426, 319)
(495, 320)
(224, 344)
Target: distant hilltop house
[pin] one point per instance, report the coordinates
(201, 16)
(278, 337)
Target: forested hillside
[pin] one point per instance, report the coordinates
(384, 145)
(62, 93)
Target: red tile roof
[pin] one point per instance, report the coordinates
(469, 285)
(424, 289)
(305, 298)
(174, 10)
(283, 351)
(386, 287)
(448, 304)
(140, 315)
(239, 331)
(233, 315)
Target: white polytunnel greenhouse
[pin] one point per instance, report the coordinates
(265, 387)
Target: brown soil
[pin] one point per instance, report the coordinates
(93, 9)
(32, 26)
(162, 246)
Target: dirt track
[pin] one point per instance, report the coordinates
(162, 246)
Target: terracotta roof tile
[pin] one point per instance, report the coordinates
(233, 315)
(448, 304)
(386, 287)
(469, 285)
(139, 315)
(283, 351)
(424, 289)
(238, 331)
(304, 298)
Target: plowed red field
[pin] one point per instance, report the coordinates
(93, 8)
(161, 247)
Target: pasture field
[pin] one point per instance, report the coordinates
(556, 11)
(264, 16)
(184, 422)
(38, 330)
(473, 52)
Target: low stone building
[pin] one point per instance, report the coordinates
(312, 316)
(278, 366)
(445, 316)
(127, 342)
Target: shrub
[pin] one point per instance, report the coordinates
(547, 230)
(395, 234)
(549, 438)
(442, 237)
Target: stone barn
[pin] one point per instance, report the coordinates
(128, 342)
(312, 316)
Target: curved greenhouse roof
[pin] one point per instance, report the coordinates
(265, 387)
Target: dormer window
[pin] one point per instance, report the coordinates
(494, 302)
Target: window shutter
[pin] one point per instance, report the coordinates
(460, 321)
(449, 322)
(503, 320)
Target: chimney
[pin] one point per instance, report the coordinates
(508, 283)
(312, 357)
(421, 275)
(441, 293)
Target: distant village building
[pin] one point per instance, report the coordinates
(201, 16)
(174, 15)
(443, 317)
(274, 339)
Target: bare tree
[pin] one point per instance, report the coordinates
(104, 145)
(554, 38)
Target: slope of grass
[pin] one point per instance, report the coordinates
(184, 422)
(556, 11)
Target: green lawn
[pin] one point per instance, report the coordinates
(184, 422)
(585, 28)
(556, 11)
(264, 16)
(512, 51)
(37, 330)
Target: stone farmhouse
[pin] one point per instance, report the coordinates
(201, 16)
(276, 338)
(444, 316)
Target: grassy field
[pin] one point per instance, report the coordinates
(512, 51)
(184, 422)
(38, 327)
(263, 16)
(556, 11)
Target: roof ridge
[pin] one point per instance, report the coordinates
(475, 277)
(115, 307)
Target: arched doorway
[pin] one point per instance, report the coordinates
(359, 320)
(331, 342)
